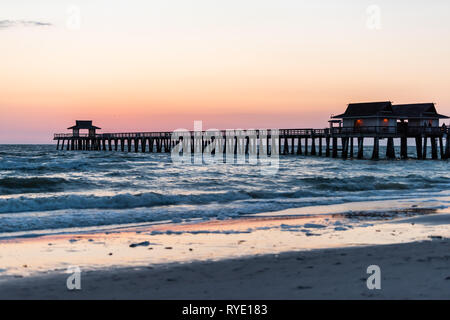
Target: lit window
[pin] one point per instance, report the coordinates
(385, 120)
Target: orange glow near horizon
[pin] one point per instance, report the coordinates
(159, 66)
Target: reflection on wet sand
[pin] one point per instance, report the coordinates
(144, 245)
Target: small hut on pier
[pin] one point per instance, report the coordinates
(84, 125)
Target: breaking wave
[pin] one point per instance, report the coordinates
(13, 185)
(41, 188)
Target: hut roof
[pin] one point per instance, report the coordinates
(84, 124)
(367, 109)
(417, 110)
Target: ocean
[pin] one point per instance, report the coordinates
(45, 191)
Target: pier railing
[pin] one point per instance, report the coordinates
(390, 130)
(279, 141)
(340, 131)
(132, 135)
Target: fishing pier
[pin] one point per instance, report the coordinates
(344, 138)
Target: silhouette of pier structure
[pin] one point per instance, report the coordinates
(344, 138)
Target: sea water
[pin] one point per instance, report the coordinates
(44, 190)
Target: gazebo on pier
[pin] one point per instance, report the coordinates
(84, 125)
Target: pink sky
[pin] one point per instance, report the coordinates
(152, 67)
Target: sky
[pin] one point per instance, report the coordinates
(159, 65)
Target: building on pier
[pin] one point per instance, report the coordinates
(360, 116)
(418, 114)
(384, 117)
(83, 125)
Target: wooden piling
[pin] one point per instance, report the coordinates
(376, 148)
(390, 150)
(351, 148)
(279, 145)
(327, 148)
(434, 154)
(404, 147)
(447, 147)
(306, 146)
(320, 146)
(335, 147)
(313, 145)
(419, 147)
(151, 144)
(360, 148)
(299, 146)
(344, 143)
(425, 149)
(129, 144)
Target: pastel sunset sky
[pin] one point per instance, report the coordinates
(144, 65)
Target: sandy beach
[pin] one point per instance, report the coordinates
(225, 150)
(417, 270)
(278, 256)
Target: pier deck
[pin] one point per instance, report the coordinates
(320, 142)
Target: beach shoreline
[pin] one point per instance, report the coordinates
(280, 255)
(417, 270)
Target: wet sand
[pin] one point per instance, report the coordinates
(419, 270)
(278, 256)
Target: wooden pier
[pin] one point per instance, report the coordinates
(345, 143)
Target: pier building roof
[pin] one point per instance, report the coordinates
(387, 110)
(367, 109)
(417, 110)
(84, 124)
